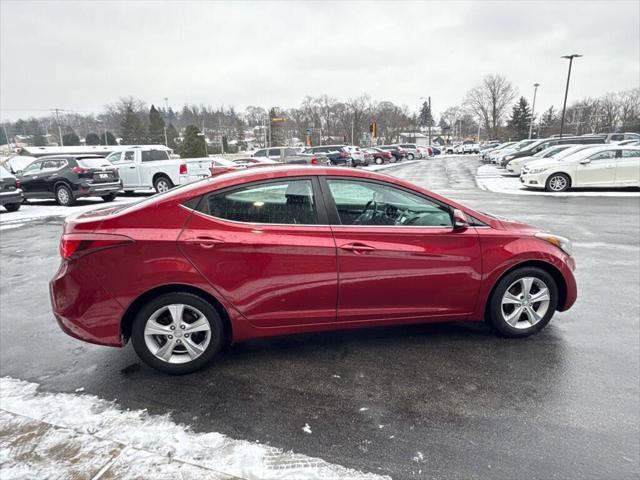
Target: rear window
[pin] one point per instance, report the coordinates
(154, 155)
(93, 162)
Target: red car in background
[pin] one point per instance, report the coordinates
(284, 250)
(380, 156)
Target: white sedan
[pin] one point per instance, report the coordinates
(605, 166)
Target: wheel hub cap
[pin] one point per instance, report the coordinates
(525, 302)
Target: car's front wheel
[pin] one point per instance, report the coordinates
(109, 198)
(379, 161)
(558, 182)
(177, 333)
(523, 302)
(12, 207)
(410, 156)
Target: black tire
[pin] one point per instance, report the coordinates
(379, 161)
(215, 343)
(494, 311)
(12, 207)
(162, 184)
(109, 198)
(410, 156)
(64, 196)
(558, 182)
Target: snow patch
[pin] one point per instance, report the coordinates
(306, 428)
(102, 421)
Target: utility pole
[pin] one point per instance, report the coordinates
(431, 121)
(6, 135)
(59, 128)
(352, 122)
(204, 137)
(533, 108)
(166, 142)
(566, 91)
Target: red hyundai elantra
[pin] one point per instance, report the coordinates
(284, 250)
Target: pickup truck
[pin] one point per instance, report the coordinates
(153, 167)
(470, 148)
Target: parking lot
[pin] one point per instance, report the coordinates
(431, 401)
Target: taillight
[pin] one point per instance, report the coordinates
(183, 169)
(77, 244)
(78, 170)
(18, 184)
(314, 161)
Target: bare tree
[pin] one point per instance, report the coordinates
(629, 109)
(490, 101)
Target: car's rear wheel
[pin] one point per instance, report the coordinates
(379, 161)
(109, 198)
(177, 333)
(12, 207)
(162, 184)
(64, 197)
(558, 182)
(410, 156)
(523, 302)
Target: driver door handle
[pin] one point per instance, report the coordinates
(357, 247)
(204, 241)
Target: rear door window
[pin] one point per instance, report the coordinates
(154, 155)
(282, 202)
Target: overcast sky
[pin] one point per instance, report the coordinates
(81, 55)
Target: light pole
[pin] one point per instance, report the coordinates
(533, 108)
(566, 91)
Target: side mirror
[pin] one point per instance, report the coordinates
(460, 221)
(18, 172)
(585, 161)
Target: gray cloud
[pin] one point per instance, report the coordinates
(81, 55)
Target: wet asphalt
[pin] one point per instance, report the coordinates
(432, 401)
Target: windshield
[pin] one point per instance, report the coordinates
(526, 143)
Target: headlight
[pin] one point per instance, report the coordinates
(509, 157)
(562, 243)
(538, 170)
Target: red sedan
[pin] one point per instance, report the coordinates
(283, 250)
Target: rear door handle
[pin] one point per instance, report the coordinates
(357, 247)
(204, 241)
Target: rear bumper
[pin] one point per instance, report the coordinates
(82, 308)
(97, 189)
(184, 179)
(15, 196)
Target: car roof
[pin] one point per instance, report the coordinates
(77, 157)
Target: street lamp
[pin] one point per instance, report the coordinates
(533, 108)
(566, 91)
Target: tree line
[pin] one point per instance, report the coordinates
(493, 108)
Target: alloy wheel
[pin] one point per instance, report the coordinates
(162, 186)
(63, 196)
(525, 302)
(177, 333)
(558, 183)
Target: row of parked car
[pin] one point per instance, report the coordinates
(557, 164)
(348, 155)
(65, 178)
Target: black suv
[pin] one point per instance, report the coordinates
(337, 154)
(67, 177)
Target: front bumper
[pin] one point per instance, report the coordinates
(14, 196)
(533, 180)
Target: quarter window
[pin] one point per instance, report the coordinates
(367, 203)
(282, 202)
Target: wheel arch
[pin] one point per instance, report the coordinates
(547, 267)
(158, 175)
(132, 310)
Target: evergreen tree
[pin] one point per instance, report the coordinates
(520, 119)
(172, 134)
(193, 144)
(92, 139)
(240, 133)
(70, 139)
(425, 119)
(156, 127)
(132, 128)
(111, 139)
